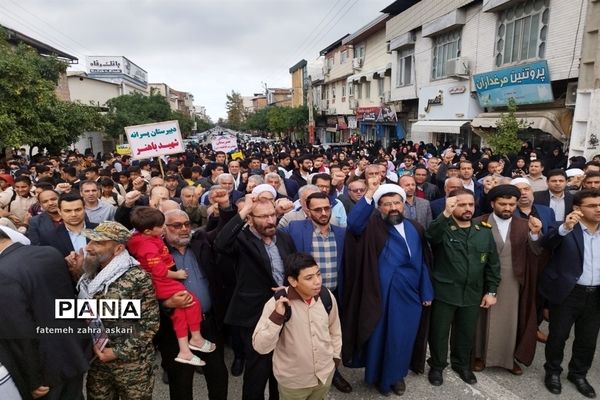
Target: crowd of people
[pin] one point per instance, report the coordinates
(300, 258)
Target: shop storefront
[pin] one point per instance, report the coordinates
(445, 114)
(379, 124)
(530, 86)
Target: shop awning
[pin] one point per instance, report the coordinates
(555, 122)
(447, 126)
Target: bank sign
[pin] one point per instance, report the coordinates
(526, 84)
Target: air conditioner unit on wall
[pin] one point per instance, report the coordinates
(357, 63)
(457, 67)
(571, 95)
(353, 103)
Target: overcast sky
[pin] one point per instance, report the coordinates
(206, 47)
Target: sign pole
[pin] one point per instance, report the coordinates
(162, 171)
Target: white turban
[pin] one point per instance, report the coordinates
(15, 236)
(574, 172)
(516, 181)
(388, 188)
(264, 187)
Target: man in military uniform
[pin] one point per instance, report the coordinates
(124, 367)
(465, 277)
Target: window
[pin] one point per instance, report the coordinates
(367, 90)
(522, 32)
(326, 92)
(333, 91)
(380, 84)
(359, 51)
(343, 56)
(359, 91)
(404, 68)
(445, 47)
(343, 90)
(350, 89)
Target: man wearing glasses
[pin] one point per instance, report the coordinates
(571, 284)
(356, 190)
(325, 242)
(192, 253)
(250, 239)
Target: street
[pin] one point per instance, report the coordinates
(493, 384)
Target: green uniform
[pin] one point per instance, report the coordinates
(131, 375)
(466, 266)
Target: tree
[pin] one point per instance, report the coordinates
(137, 109)
(203, 124)
(30, 111)
(256, 121)
(235, 110)
(505, 140)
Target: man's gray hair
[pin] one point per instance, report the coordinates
(257, 179)
(224, 175)
(188, 189)
(273, 175)
(176, 212)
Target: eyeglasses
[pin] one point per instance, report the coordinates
(391, 203)
(591, 205)
(267, 216)
(179, 225)
(320, 210)
(359, 190)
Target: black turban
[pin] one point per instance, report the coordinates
(503, 191)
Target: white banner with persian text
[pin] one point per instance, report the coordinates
(153, 140)
(224, 143)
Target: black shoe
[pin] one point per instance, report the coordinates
(466, 375)
(340, 383)
(199, 370)
(165, 377)
(399, 388)
(237, 367)
(387, 393)
(552, 382)
(583, 386)
(435, 376)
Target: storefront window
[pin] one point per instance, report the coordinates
(445, 47)
(521, 33)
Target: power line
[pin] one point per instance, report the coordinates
(47, 38)
(51, 27)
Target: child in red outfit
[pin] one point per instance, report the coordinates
(147, 246)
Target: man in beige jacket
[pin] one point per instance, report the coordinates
(302, 327)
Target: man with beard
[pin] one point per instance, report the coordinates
(325, 242)
(515, 311)
(192, 253)
(302, 174)
(253, 244)
(125, 366)
(44, 225)
(386, 276)
(466, 265)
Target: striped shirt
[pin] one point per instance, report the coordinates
(324, 250)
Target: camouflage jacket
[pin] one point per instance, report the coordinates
(131, 339)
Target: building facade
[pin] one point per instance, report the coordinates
(118, 69)
(299, 83)
(447, 56)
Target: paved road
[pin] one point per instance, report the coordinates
(493, 384)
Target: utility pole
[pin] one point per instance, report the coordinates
(311, 117)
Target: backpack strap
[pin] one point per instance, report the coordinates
(325, 296)
(14, 196)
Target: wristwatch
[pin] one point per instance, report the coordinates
(491, 294)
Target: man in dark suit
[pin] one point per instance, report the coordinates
(36, 359)
(258, 250)
(45, 224)
(556, 197)
(571, 283)
(68, 236)
(425, 189)
(438, 205)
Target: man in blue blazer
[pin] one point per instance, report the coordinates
(571, 283)
(325, 242)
